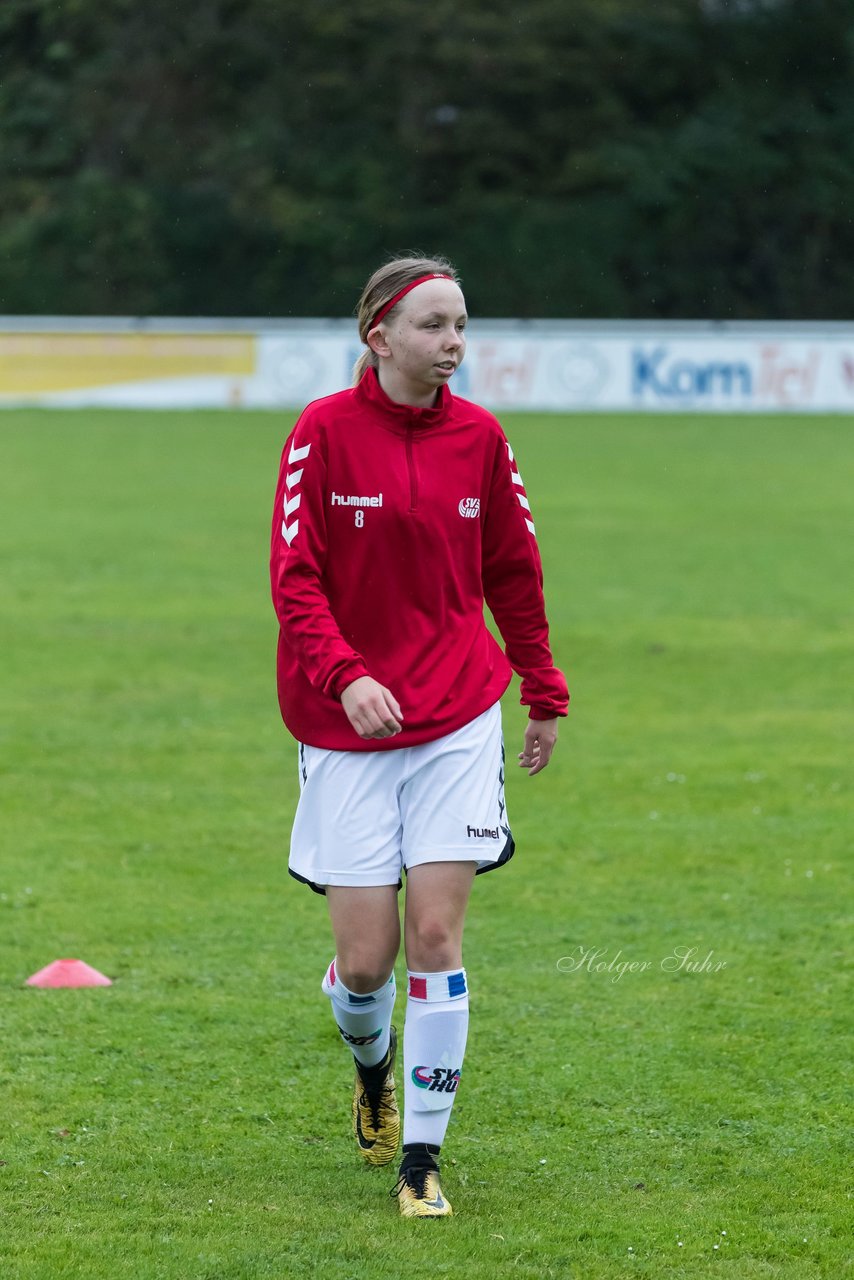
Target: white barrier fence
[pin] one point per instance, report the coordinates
(552, 365)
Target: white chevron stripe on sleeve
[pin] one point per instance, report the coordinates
(523, 501)
(531, 528)
(291, 504)
(293, 477)
(297, 455)
(516, 478)
(290, 531)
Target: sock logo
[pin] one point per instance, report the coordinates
(345, 1035)
(439, 1080)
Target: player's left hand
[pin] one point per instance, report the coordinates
(540, 739)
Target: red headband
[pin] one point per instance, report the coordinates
(383, 311)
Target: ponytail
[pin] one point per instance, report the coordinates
(365, 361)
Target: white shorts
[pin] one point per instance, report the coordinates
(366, 816)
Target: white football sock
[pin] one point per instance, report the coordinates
(364, 1021)
(434, 1042)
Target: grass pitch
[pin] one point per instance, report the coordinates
(655, 1079)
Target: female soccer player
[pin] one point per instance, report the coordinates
(400, 509)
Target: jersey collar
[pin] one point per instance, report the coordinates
(401, 416)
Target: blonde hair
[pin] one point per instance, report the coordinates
(388, 280)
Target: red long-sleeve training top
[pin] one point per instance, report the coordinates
(391, 526)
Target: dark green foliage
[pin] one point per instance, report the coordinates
(596, 158)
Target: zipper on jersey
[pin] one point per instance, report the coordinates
(413, 475)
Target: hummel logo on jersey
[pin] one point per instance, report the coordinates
(469, 508)
(352, 500)
(482, 833)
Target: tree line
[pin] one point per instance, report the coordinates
(574, 158)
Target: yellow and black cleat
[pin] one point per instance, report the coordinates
(376, 1119)
(419, 1194)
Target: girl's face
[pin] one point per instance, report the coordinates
(424, 343)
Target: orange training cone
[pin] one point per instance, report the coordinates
(69, 973)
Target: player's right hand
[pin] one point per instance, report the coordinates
(372, 710)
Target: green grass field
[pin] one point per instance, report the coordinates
(191, 1121)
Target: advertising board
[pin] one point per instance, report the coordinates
(544, 365)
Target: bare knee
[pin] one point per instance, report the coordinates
(366, 927)
(432, 945)
(363, 969)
